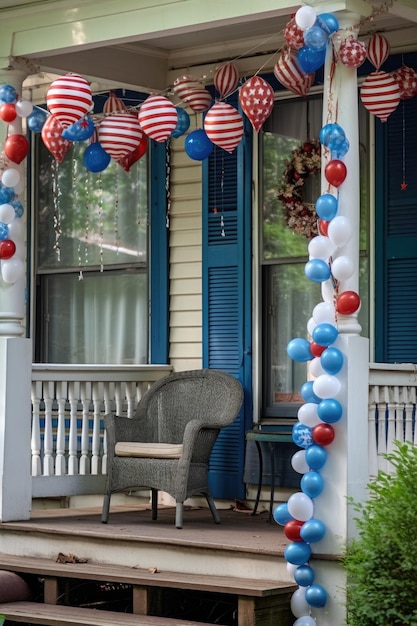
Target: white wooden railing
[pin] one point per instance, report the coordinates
(392, 410)
(68, 437)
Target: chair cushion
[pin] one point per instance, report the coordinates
(149, 450)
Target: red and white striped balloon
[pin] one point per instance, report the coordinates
(158, 117)
(198, 99)
(223, 125)
(69, 98)
(256, 98)
(289, 73)
(352, 52)
(380, 94)
(119, 134)
(226, 79)
(184, 85)
(378, 50)
(113, 104)
(294, 36)
(406, 78)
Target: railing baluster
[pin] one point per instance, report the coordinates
(372, 443)
(36, 429)
(98, 394)
(48, 450)
(60, 460)
(85, 395)
(74, 396)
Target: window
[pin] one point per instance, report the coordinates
(288, 297)
(91, 259)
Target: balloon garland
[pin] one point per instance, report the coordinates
(299, 215)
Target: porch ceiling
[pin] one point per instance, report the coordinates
(152, 60)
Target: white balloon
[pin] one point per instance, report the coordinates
(19, 187)
(326, 386)
(16, 229)
(340, 230)
(311, 324)
(11, 270)
(15, 127)
(291, 568)
(316, 368)
(324, 312)
(327, 291)
(300, 506)
(320, 247)
(24, 108)
(10, 177)
(342, 268)
(299, 604)
(7, 213)
(305, 620)
(298, 462)
(307, 414)
(305, 17)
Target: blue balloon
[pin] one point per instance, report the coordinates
(316, 596)
(330, 410)
(297, 552)
(312, 530)
(304, 575)
(331, 360)
(8, 93)
(80, 130)
(340, 150)
(18, 208)
(6, 194)
(316, 456)
(310, 59)
(281, 514)
(308, 394)
(183, 123)
(298, 349)
(4, 231)
(197, 145)
(312, 484)
(326, 206)
(36, 120)
(332, 133)
(316, 38)
(317, 270)
(302, 435)
(325, 334)
(328, 22)
(95, 158)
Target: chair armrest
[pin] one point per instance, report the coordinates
(193, 430)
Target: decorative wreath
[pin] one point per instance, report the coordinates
(299, 215)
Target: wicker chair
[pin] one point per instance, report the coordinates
(167, 444)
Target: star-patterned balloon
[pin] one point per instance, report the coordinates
(352, 52)
(406, 78)
(52, 138)
(256, 97)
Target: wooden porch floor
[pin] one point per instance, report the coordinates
(239, 531)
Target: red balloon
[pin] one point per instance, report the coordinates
(323, 227)
(348, 302)
(129, 159)
(7, 249)
(16, 148)
(292, 529)
(323, 434)
(51, 134)
(315, 349)
(335, 172)
(8, 112)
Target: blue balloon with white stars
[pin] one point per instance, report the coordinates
(8, 93)
(4, 231)
(36, 119)
(81, 130)
(302, 435)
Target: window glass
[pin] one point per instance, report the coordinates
(91, 261)
(288, 297)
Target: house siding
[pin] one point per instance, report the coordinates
(185, 237)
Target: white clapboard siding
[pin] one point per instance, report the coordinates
(185, 261)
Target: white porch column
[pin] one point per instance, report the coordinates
(15, 376)
(345, 474)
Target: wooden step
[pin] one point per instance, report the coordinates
(254, 598)
(55, 615)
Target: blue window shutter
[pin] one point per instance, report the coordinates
(227, 299)
(396, 231)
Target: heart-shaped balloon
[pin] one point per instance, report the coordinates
(51, 134)
(129, 159)
(256, 98)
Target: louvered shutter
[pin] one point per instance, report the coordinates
(227, 300)
(396, 233)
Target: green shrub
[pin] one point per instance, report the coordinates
(381, 565)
